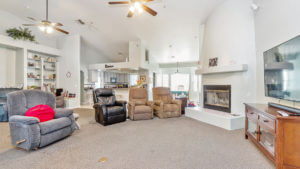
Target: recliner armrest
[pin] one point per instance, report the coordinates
(121, 103)
(61, 112)
(24, 119)
(149, 103)
(178, 102)
(158, 102)
(98, 105)
(131, 103)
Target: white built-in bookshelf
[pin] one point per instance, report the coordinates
(41, 71)
(35, 65)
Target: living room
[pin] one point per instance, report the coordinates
(149, 84)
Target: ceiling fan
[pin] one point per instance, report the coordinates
(47, 26)
(136, 6)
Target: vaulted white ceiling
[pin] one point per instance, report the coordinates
(176, 25)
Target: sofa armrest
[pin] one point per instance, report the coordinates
(60, 112)
(25, 132)
(24, 120)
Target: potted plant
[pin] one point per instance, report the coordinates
(21, 33)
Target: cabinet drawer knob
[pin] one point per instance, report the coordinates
(251, 113)
(266, 121)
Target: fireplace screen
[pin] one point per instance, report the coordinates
(217, 97)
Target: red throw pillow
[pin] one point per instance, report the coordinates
(42, 112)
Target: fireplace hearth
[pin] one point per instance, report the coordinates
(217, 97)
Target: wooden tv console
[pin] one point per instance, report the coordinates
(276, 136)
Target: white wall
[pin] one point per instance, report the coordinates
(229, 35)
(276, 22)
(70, 62)
(7, 67)
(9, 21)
(90, 55)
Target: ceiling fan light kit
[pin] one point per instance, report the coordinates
(136, 6)
(46, 26)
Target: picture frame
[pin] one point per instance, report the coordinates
(213, 62)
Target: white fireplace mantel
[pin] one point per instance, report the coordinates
(223, 69)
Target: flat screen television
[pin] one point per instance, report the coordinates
(282, 71)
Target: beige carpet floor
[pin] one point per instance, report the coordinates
(177, 143)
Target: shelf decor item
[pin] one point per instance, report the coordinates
(21, 33)
(213, 62)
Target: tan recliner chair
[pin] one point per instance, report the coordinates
(139, 108)
(164, 105)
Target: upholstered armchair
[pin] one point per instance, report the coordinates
(139, 108)
(107, 109)
(164, 105)
(27, 132)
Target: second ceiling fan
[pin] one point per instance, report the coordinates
(136, 6)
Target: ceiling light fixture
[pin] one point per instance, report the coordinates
(46, 29)
(136, 7)
(46, 26)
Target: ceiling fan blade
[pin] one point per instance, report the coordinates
(31, 18)
(149, 10)
(120, 2)
(31, 24)
(130, 14)
(60, 30)
(57, 24)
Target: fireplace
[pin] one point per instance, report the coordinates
(217, 97)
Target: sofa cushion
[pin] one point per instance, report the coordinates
(115, 110)
(54, 125)
(142, 109)
(42, 112)
(170, 107)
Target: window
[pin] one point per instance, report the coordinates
(165, 80)
(162, 80)
(133, 79)
(180, 82)
(158, 79)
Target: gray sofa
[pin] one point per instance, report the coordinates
(27, 132)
